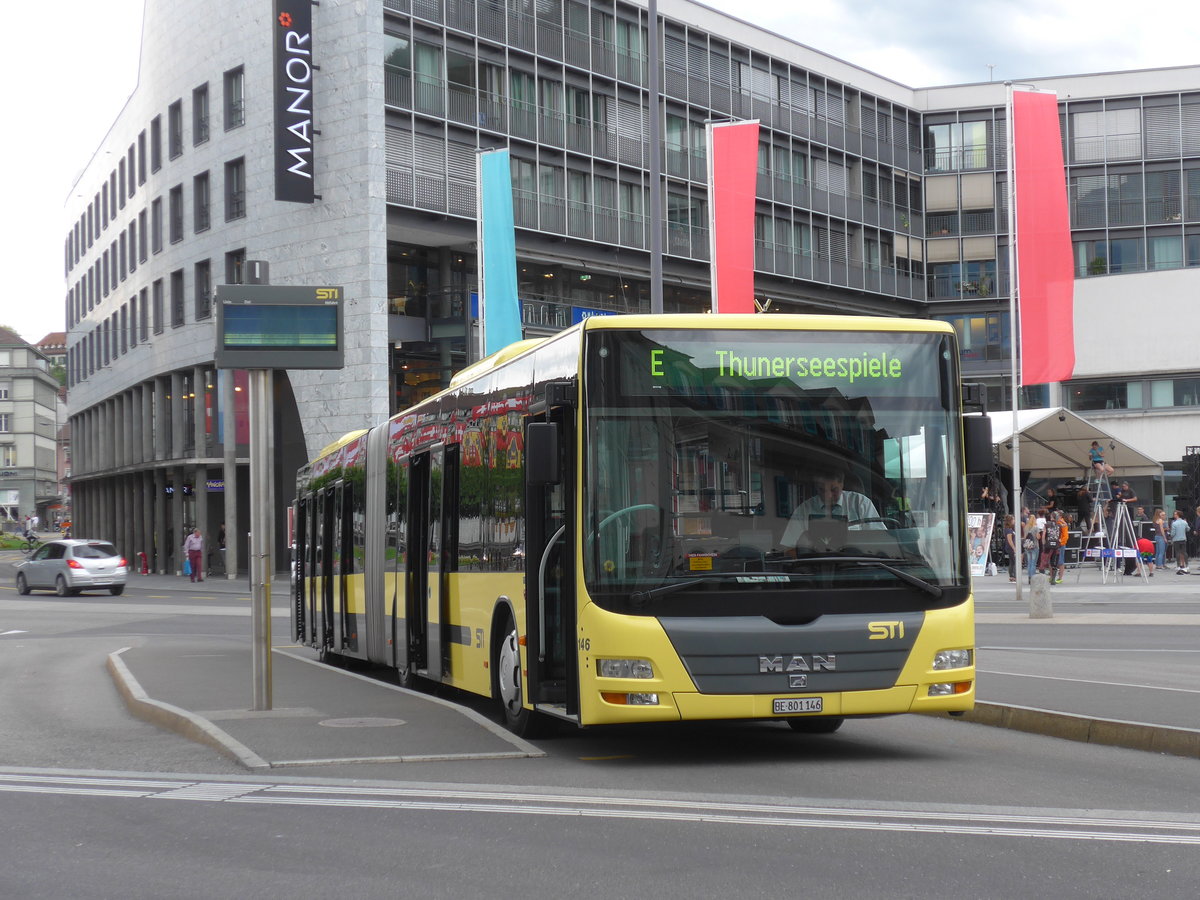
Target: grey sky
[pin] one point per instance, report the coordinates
(73, 64)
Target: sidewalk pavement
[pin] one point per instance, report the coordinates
(205, 691)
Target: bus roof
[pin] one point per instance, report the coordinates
(339, 443)
(769, 322)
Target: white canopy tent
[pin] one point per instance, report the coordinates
(1055, 443)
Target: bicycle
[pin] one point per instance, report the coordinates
(31, 543)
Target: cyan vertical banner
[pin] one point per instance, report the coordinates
(500, 308)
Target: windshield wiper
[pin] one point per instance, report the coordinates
(920, 583)
(642, 597)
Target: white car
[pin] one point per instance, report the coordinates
(70, 566)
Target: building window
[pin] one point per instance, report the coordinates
(235, 189)
(177, 298)
(141, 156)
(1164, 252)
(156, 225)
(235, 98)
(133, 320)
(1104, 395)
(144, 317)
(157, 292)
(235, 266)
(200, 114)
(156, 143)
(203, 281)
(1108, 134)
(175, 129)
(133, 245)
(200, 202)
(8, 457)
(175, 199)
(5, 423)
(955, 146)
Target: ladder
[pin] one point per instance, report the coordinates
(1098, 541)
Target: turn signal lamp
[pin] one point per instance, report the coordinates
(630, 699)
(949, 688)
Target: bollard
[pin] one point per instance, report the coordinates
(1040, 606)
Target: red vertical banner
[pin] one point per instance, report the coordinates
(1045, 272)
(732, 185)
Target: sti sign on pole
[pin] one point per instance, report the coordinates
(293, 71)
(262, 328)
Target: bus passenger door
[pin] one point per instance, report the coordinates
(299, 568)
(335, 547)
(416, 578)
(434, 624)
(326, 547)
(550, 565)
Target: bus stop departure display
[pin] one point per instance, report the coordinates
(263, 326)
(283, 327)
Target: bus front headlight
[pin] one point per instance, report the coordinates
(624, 668)
(952, 659)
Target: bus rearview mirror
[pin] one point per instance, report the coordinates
(541, 453)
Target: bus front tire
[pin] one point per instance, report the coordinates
(507, 684)
(822, 725)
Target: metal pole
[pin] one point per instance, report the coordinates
(1013, 327)
(656, 203)
(260, 534)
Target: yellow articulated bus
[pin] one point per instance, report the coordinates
(660, 518)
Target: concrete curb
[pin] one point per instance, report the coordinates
(1110, 732)
(180, 721)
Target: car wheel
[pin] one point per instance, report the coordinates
(60, 587)
(22, 584)
(117, 590)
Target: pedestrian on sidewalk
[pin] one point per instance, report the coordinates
(1059, 557)
(193, 545)
(1029, 543)
(1010, 545)
(1179, 535)
(1158, 534)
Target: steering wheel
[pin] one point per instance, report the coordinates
(656, 561)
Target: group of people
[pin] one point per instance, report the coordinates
(1044, 537)
(1043, 543)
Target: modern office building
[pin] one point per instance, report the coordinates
(29, 423)
(874, 198)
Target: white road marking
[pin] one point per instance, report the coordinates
(1150, 828)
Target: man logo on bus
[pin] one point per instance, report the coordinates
(799, 663)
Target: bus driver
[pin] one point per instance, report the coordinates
(831, 503)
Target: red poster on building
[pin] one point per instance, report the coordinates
(1046, 276)
(732, 183)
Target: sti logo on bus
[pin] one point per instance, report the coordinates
(799, 663)
(884, 631)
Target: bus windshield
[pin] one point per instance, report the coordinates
(785, 473)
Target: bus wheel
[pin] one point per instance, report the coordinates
(506, 685)
(823, 725)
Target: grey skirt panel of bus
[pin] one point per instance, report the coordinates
(753, 655)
